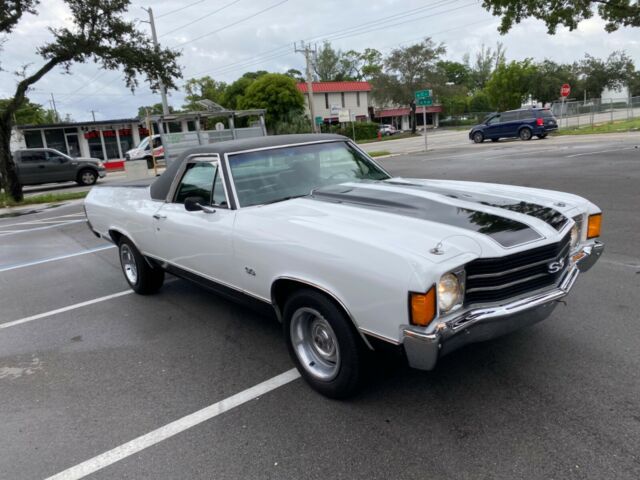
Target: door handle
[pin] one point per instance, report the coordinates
(158, 216)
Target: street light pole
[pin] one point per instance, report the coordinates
(154, 36)
(307, 51)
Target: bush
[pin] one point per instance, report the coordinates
(363, 130)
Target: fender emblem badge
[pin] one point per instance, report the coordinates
(555, 267)
(250, 271)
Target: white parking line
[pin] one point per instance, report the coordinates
(63, 309)
(54, 259)
(46, 227)
(145, 441)
(599, 151)
(46, 219)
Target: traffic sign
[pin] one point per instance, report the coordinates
(319, 120)
(565, 90)
(424, 102)
(423, 94)
(344, 116)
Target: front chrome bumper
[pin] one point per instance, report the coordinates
(424, 348)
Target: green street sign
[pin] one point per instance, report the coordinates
(319, 120)
(423, 94)
(424, 102)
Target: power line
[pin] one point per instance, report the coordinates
(232, 24)
(201, 18)
(181, 8)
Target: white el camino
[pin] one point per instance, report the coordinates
(349, 258)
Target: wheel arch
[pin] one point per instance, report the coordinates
(116, 234)
(284, 286)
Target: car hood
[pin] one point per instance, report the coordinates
(433, 219)
(88, 160)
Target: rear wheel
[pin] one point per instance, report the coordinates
(140, 276)
(525, 134)
(495, 139)
(478, 137)
(323, 344)
(87, 177)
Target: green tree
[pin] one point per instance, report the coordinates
(480, 103)
(327, 66)
(278, 94)
(30, 113)
(634, 84)
(295, 74)
(155, 109)
(617, 70)
(204, 88)
(548, 79)
(510, 84)
(617, 13)
(455, 73)
(407, 70)
(93, 30)
(486, 61)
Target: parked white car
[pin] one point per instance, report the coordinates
(349, 258)
(387, 130)
(144, 150)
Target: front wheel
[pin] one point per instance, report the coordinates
(525, 134)
(140, 276)
(478, 137)
(87, 177)
(323, 344)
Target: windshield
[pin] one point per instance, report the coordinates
(143, 144)
(269, 176)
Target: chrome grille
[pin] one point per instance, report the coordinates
(495, 279)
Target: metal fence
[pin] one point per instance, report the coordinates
(588, 113)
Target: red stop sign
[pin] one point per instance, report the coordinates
(565, 90)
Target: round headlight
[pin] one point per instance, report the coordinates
(575, 235)
(449, 292)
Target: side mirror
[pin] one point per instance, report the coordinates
(194, 204)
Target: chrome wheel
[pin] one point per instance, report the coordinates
(128, 262)
(88, 177)
(315, 343)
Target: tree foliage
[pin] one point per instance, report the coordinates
(617, 13)
(30, 113)
(278, 94)
(204, 88)
(547, 79)
(94, 31)
(613, 72)
(510, 84)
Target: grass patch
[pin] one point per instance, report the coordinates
(397, 136)
(6, 201)
(378, 153)
(615, 127)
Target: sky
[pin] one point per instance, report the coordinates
(225, 38)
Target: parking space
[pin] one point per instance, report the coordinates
(558, 400)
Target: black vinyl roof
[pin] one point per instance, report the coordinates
(160, 188)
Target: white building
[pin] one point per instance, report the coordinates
(331, 97)
(619, 94)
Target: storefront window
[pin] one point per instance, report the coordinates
(126, 139)
(95, 145)
(55, 139)
(33, 139)
(111, 144)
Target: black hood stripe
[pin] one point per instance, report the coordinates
(546, 214)
(507, 232)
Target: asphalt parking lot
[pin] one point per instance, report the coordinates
(87, 368)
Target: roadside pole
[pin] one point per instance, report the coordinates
(153, 150)
(308, 52)
(154, 36)
(424, 122)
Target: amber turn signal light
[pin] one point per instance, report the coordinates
(423, 307)
(595, 223)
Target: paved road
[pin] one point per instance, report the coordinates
(557, 401)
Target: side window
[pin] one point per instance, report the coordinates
(197, 181)
(494, 120)
(33, 157)
(509, 116)
(55, 158)
(219, 197)
(526, 115)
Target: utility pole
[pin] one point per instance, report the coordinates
(154, 36)
(308, 51)
(93, 114)
(55, 110)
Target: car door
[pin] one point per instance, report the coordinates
(509, 124)
(32, 167)
(60, 168)
(198, 242)
(492, 129)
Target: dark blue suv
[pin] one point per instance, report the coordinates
(523, 123)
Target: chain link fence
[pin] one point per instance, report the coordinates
(588, 113)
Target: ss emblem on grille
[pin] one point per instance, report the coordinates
(555, 267)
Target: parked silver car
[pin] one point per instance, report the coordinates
(46, 165)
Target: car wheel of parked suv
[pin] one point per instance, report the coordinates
(323, 344)
(478, 137)
(87, 177)
(525, 134)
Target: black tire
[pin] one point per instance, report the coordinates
(525, 134)
(348, 371)
(87, 176)
(478, 137)
(495, 139)
(541, 136)
(149, 162)
(147, 280)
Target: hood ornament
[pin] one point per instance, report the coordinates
(437, 250)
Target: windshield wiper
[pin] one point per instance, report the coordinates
(290, 197)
